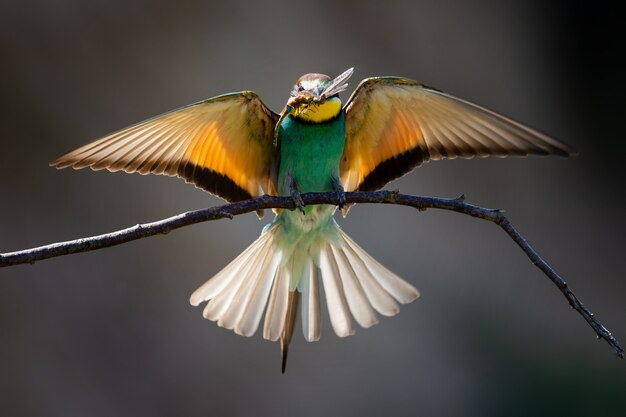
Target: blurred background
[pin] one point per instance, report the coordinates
(111, 332)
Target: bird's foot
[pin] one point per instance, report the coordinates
(340, 193)
(297, 199)
(295, 195)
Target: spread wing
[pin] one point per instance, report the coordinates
(395, 124)
(223, 145)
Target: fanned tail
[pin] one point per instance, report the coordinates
(238, 294)
(268, 276)
(357, 286)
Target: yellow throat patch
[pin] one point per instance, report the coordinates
(323, 112)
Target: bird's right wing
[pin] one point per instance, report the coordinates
(223, 145)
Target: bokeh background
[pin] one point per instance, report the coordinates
(111, 333)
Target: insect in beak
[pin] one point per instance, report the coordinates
(301, 103)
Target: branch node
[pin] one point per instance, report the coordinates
(224, 213)
(461, 198)
(500, 218)
(392, 196)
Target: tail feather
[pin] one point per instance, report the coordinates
(219, 305)
(256, 274)
(311, 316)
(277, 307)
(360, 306)
(222, 279)
(257, 299)
(338, 310)
(290, 322)
(380, 299)
(356, 287)
(393, 284)
(356, 284)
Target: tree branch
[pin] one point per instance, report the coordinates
(265, 202)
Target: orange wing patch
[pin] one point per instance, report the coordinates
(395, 124)
(223, 145)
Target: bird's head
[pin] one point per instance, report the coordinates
(315, 97)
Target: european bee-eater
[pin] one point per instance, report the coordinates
(235, 147)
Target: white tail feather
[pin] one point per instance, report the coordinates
(338, 310)
(277, 307)
(218, 306)
(360, 306)
(257, 299)
(355, 285)
(219, 281)
(252, 276)
(380, 299)
(311, 317)
(393, 284)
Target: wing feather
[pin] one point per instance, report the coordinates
(223, 145)
(395, 124)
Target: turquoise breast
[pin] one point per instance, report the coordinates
(310, 153)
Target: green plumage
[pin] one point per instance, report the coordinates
(310, 153)
(309, 158)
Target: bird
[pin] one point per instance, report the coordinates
(235, 147)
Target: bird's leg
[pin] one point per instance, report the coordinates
(338, 189)
(295, 195)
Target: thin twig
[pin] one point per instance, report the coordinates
(266, 202)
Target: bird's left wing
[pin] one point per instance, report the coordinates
(394, 124)
(223, 145)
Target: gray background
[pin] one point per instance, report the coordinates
(111, 333)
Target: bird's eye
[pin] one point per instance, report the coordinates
(300, 88)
